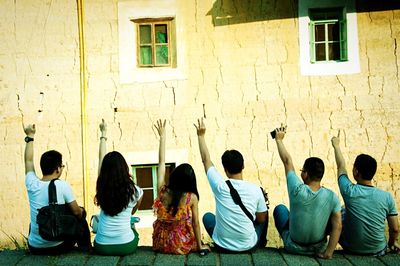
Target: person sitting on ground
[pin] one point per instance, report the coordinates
(52, 168)
(177, 228)
(366, 208)
(118, 198)
(314, 210)
(231, 229)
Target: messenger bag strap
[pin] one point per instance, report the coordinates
(238, 201)
(52, 192)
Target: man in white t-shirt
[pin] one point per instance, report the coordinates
(230, 228)
(37, 188)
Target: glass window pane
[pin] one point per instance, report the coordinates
(144, 177)
(146, 55)
(147, 200)
(333, 32)
(334, 51)
(161, 33)
(145, 34)
(320, 33)
(320, 52)
(162, 55)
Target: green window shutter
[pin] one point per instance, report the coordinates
(343, 40)
(311, 27)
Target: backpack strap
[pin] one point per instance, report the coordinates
(238, 201)
(52, 192)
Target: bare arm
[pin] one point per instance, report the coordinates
(160, 126)
(137, 205)
(205, 155)
(336, 221)
(341, 164)
(103, 139)
(261, 217)
(76, 210)
(393, 234)
(283, 153)
(195, 219)
(30, 131)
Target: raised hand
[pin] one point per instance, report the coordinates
(280, 132)
(336, 140)
(160, 126)
(200, 127)
(30, 130)
(103, 127)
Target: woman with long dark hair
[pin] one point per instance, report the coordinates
(119, 198)
(177, 228)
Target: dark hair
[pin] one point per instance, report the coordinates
(50, 161)
(181, 180)
(314, 167)
(232, 160)
(366, 166)
(115, 187)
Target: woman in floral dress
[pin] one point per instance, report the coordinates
(177, 228)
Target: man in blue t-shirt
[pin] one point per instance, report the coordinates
(366, 208)
(314, 210)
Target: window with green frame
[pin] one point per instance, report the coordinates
(154, 47)
(328, 35)
(145, 176)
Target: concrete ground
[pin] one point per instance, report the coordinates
(145, 256)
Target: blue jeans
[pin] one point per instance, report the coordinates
(209, 224)
(281, 217)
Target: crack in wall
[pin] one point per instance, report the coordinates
(341, 84)
(311, 149)
(256, 82)
(395, 49)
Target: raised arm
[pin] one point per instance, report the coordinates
(205, 155)
(393, 234)
(160, 126)
(283, 153)
(103, 139)
(30, 131)
(341, 164)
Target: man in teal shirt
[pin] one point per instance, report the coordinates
(314, 210)
(366, 208)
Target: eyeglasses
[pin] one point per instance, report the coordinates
(62, 166)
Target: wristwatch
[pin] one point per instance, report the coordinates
(28, 139)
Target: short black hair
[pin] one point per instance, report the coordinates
(314, 167)
(366, 166)
(50, 161)
(232, 160)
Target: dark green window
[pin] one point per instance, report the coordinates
(328, 35)
(145, 176)
(154, 42)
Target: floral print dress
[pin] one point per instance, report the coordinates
(173, 234)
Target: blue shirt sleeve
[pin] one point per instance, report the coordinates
(344, 184)
(215, 179)
(293, 182)
(392, 206)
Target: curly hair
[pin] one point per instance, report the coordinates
(182, 180)
(115, 187)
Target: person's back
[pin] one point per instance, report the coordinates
(366, 208)
(119, 198)
(364, 222)
(310, 212)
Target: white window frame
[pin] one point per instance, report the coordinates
(352, 65)
(129, 71)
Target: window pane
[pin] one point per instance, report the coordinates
(320, 52)
(161, 33)
(320, 33)
(147, 201)
(144, 177)
(146, 55)
(334, 51)
(333, 32)
(162, 55)
(145, 34)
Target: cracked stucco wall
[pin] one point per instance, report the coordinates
(242, 74)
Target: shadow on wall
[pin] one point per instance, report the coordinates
(228, 12)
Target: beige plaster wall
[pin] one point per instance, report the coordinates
(242, 74)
